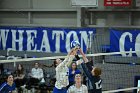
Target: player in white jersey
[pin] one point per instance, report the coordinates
(78, 87)
(62, 72)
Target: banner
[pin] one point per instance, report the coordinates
(126, 40)
(43, 39)
(117, 2)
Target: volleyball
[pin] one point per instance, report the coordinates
(75, 44)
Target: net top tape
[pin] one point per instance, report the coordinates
(55, 57)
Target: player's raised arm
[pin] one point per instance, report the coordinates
(75, 45)
(83, 55)
(67, 61)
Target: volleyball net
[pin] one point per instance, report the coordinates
(118, 73)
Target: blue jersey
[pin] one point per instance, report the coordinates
(71, 76)
(5, 88)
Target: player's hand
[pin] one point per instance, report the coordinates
(74, 51)
(84, 57)
(78, 62)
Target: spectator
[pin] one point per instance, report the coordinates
(78, 87)
(19, 77)
(2, 79)
(36, 76)
(73, 70)
(93, 73)
(1, 69)
(8, 86)
(62, 72)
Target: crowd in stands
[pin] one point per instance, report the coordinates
(68, 79)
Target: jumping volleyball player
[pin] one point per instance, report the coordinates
(62, 70)
(93, 73)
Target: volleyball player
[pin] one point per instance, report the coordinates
(93, 73)
(62, 72)
(8, 86)
(78, 87)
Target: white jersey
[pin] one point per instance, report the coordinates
(82, 89)
(37, 73)
(62, 72)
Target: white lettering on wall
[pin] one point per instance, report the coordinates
(33, 40)
(31, 36)
(84, 38)
(137, 45)
(19, 40)
(122, 42)
(58, 35)
(45, 42)
(3, 37)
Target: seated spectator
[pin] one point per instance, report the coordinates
(8, 86)
(2, 79)
(36, 76)
(19, 77)
(73, 70)
(1, 69)
(78, 87)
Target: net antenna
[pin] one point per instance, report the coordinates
(84, 3)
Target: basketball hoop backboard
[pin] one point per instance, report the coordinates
(84, 3)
